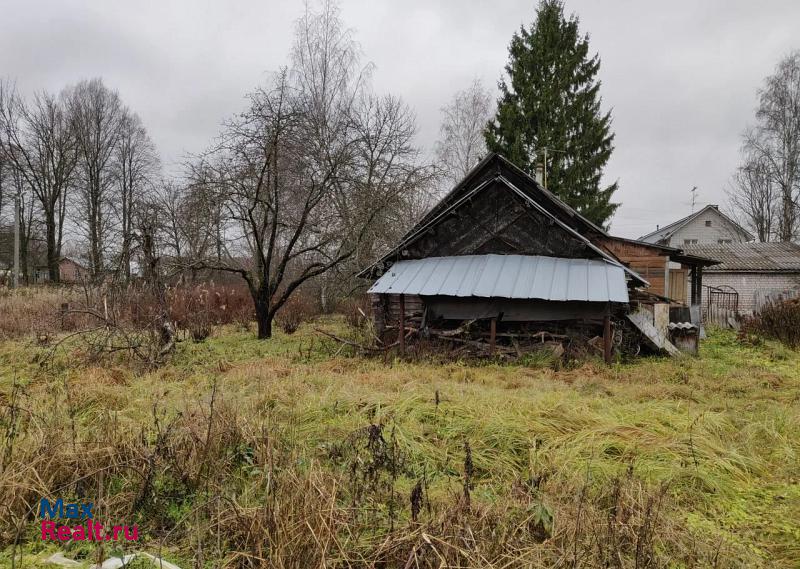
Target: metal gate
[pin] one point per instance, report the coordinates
(722, 305)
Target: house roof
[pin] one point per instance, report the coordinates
(41, 262)
(507, 276)
(667, 230)
(495, 168)
(750, 257)
(500, 165)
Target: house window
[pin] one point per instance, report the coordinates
(708, 223)
(690, 241)
(724, 241)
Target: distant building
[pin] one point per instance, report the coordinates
(757, 272)
(69, 271)
(709, 226)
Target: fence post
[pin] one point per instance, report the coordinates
(607, 335)
(402, 337)
(492, 335)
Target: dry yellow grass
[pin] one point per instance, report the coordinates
(308, 458)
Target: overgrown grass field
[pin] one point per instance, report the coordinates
(293, 453)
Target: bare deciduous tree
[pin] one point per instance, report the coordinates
(310, 168)
(167, 202)
(384, 164)
(190, 219)
(38, 140)
(5, 174)
(461, 142)
(753, 195)
(278, 187)
(96, 114)
(775, 140)
(135, 163)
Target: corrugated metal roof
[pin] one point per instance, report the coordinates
(768, 257)
(507, 276)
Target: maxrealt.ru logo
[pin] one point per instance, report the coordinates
(72, 513)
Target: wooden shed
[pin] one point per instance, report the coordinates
(502, 250)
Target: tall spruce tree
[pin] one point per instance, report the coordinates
(552, 102)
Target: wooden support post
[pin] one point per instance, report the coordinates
(492, 335)
(402, 334)
(607, 336)
(699, 284)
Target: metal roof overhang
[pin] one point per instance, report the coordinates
(507, 276)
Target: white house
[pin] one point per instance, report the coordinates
(757, 272)
(706, 226)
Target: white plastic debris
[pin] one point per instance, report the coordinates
(59, 559)
(112, 562)
(121, 562)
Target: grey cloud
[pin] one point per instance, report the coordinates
(680, 77)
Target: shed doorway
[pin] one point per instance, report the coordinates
(678, 279)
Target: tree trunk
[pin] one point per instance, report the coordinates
(264, 325)
(787, 211)
(323, 296)
(52, 249)
(126, 257)
(264, 315)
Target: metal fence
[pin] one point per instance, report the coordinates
(722, 305)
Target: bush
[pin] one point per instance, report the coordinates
(297, 310)
(777, 321)
(196, 309)
(357, 311)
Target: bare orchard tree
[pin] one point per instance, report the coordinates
(461, 143)
(38, 141)
(753, 195)
(279, 194)
(97, 114)
(286, 170)
(135, 163)
(776, 140)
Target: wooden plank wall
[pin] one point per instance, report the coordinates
(678, 279)
(647, 261)
(386, 311)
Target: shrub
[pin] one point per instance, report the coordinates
(197, 308)
(778, 321)
(357, 311)
(297, 310)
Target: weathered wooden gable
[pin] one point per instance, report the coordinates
(497, 220)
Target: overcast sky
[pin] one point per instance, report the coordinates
(680, 77)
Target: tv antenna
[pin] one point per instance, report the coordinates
(694, 196)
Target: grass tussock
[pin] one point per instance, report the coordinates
(290, 453)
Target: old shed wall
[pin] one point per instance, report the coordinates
(513, 310)
(649, 262)
(386, 311)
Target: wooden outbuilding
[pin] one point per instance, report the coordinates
(501, 251)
